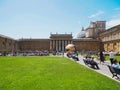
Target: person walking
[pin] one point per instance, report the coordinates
(111, 55)
(102, 58)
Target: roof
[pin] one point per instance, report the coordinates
(61, 36)
(3, 36)
(111, 30)
(29, 39)
(86, 39)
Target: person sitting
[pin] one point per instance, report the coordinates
(93, 63)
(74, 56)
(86, 60)
(68, 55)
(115, 64)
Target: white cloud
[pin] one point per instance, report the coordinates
(117, 9)
(112, 23)
(96, 14)
(116, 16)
(115, 19)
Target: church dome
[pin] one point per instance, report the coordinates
(81, 34)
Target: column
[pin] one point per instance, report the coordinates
(71, 41)
(50, 44)
(68, 41)
(65, 43)
(56, 45)
(118, 46)
(59, 45)
(62, 45)
(53, 45)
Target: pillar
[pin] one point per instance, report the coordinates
(62, 45)
(59, 45)
(56, 45)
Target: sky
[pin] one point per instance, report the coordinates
(40, 18)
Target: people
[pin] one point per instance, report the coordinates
(76, 53)
(90, 61)
(93, 63)
(115, 64)
(75, 57)
(102, 59)
(111, 55)
(68, 55)
(86, 61)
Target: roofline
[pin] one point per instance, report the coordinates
(111, 29)
(7, 37)
(27, 39)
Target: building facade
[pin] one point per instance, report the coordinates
(95, 28)
(27, 45)
(7, 45)
(111, 39)
(96, 39)
(58, 42)
(87, 44)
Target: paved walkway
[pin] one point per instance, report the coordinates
(103, 68)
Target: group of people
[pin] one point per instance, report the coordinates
(73, 55)
(90, 61)
(114, 62)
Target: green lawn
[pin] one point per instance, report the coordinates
(50, 73)
(116, 57)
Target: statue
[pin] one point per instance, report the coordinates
(71, 52)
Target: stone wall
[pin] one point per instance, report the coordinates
(111, 39)
(33, 44)
(86, 44)
(7, 45)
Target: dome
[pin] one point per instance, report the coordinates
(81, 34)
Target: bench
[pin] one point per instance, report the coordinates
(114, 71)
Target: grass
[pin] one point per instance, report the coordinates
(107, 57)
(116, 57)
(50, 73)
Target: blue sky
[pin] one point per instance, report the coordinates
(39, 18)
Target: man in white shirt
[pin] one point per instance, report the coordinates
(111, 55)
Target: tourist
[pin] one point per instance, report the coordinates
(111, 55)
(94, 63)
(75, 57)
(115, 64)
(102, 59)
(77, 53)
(86, 60)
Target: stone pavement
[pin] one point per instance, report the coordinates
(103, 68)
